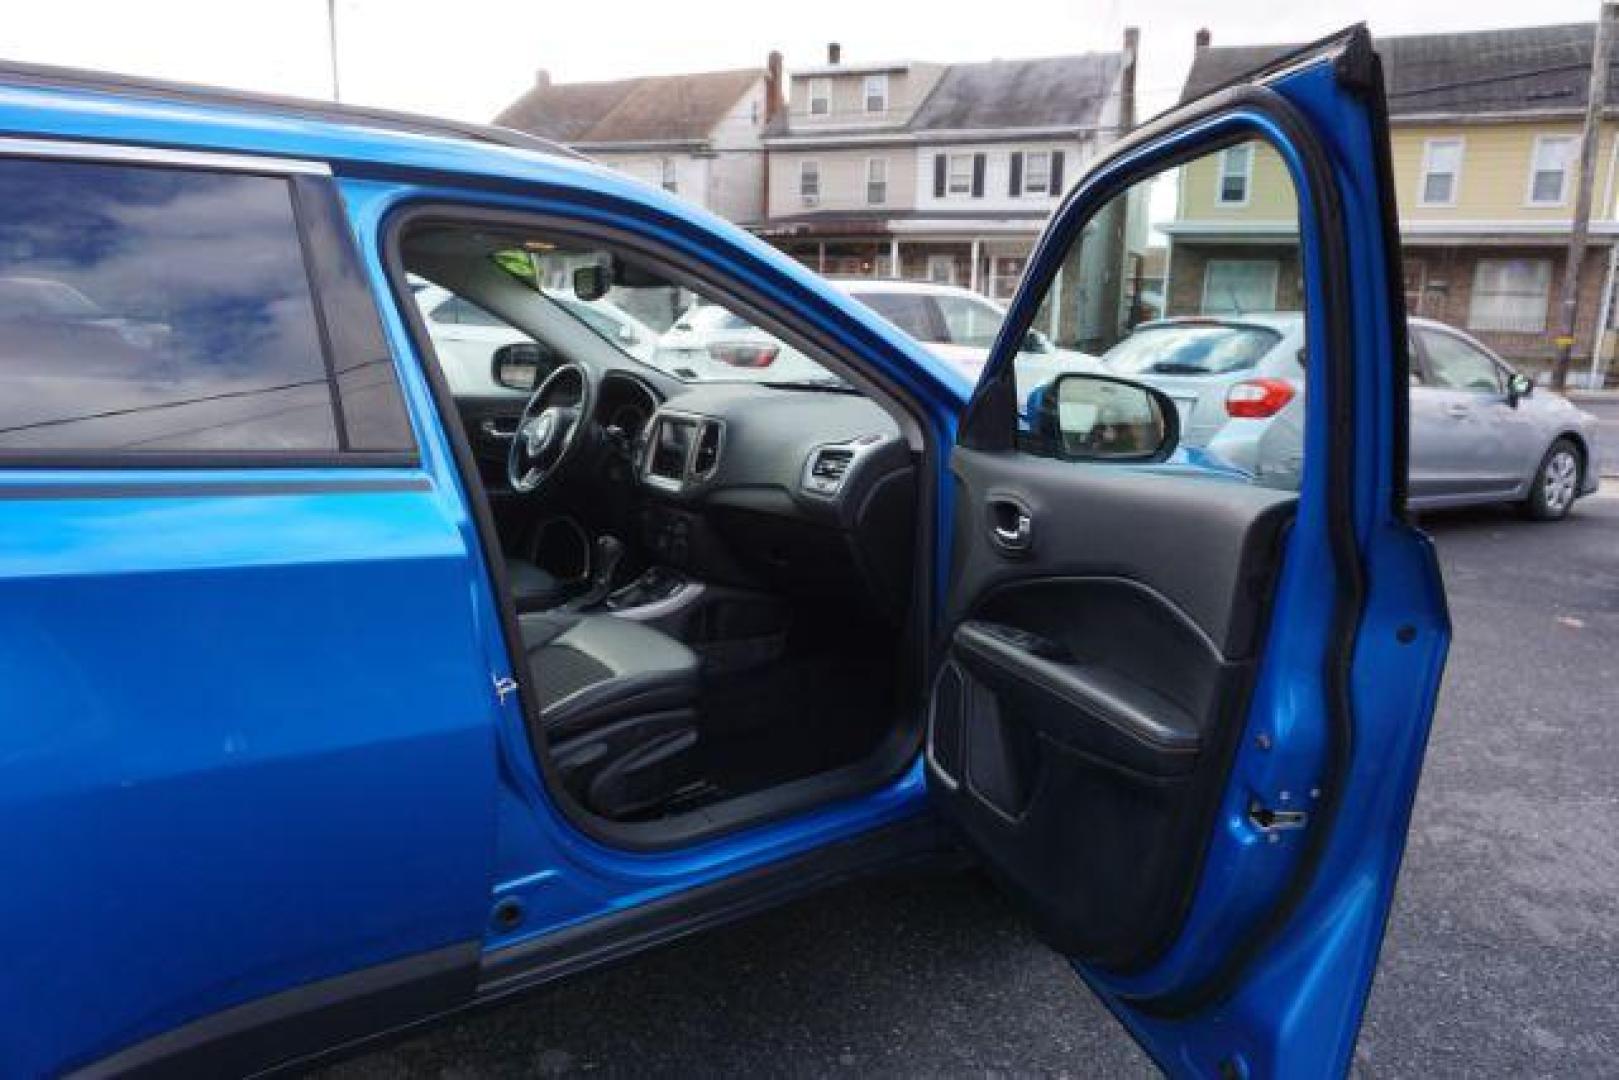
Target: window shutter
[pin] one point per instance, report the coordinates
(1055, 184)
(978, 176)
(939, 166)
(1015, 188)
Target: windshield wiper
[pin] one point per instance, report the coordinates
(830, 384)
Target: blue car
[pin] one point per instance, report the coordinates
(333, 702)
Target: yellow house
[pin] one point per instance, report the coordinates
(1485, 138)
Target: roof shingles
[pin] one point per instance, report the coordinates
(1527, 70)
(652, 109)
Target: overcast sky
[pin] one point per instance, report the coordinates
(468, 58)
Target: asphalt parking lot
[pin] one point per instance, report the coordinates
(1501, 959)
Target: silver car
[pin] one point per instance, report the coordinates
(1480, 432)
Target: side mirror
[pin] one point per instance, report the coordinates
(1519, 386)
(521, 366)
(1086, 417)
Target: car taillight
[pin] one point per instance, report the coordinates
(1258, 398)
(745, 355)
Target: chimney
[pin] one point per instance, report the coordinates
(1132, 43)
(834, 53)
(775, 98)
(542, 79)
(1203, 39)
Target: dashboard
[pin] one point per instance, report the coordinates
(788, 489)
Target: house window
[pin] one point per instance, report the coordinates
(1037, 173)
(1239, 286)
(1441, 168)
(820, 94)
(876, 180)
(668, 177)
(961, 175)
(1510, 295)
(1549, 168)
(876, 93)
(809, 182)
(1236, 174)
(942, 269)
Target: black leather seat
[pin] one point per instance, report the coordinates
(592, 670)
(534, 589)
(618, 712)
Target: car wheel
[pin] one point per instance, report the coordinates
(1556, 483)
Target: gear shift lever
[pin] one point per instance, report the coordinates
(609, 551)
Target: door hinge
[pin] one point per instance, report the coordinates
(1272, 822)
(505, 687)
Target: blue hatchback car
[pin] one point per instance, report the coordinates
(334, 699)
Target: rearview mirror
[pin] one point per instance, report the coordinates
(1085, 417)
(591, 282)
(521, 366)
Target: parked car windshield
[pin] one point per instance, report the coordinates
(662, 323)
(1184, 349)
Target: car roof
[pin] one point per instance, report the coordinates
(1280, 321)
(126, 116)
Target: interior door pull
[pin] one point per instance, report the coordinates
(1013, 528)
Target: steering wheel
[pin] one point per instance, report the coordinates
(549, 437)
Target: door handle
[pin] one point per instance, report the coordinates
(1011, 525)
(1458, 410)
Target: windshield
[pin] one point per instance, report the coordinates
(1191, 349)
(653, 320)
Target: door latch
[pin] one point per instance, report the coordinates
(505, 687)
(1267, 820)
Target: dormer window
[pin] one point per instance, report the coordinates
(876, 93)
(820, 97)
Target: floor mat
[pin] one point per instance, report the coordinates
(794, 718)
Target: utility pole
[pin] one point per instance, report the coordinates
(331, 42)
(1595, 99)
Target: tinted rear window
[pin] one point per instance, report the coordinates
(911, 312)
(1191, 350)
(149, 308)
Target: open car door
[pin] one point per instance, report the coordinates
(1183, 692)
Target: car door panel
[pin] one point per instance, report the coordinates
(1100, 666)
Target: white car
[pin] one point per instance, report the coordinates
(466, 336)
(1479, 433)
(709, 342)
(960, 325)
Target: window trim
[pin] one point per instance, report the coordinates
(1529, 199)
(298, 194)
(820, 82)
(883, 161)
(805, 197)
(1428, 147)
(878, 77)
(1247, 174)
(950, 159)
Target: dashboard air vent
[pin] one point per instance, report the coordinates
(707, 457)
(828, 468)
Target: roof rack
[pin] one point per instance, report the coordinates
(44, 76)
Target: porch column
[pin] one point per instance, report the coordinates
(1054, 325)
(972, 274)
(820, 257)
(893, 258)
